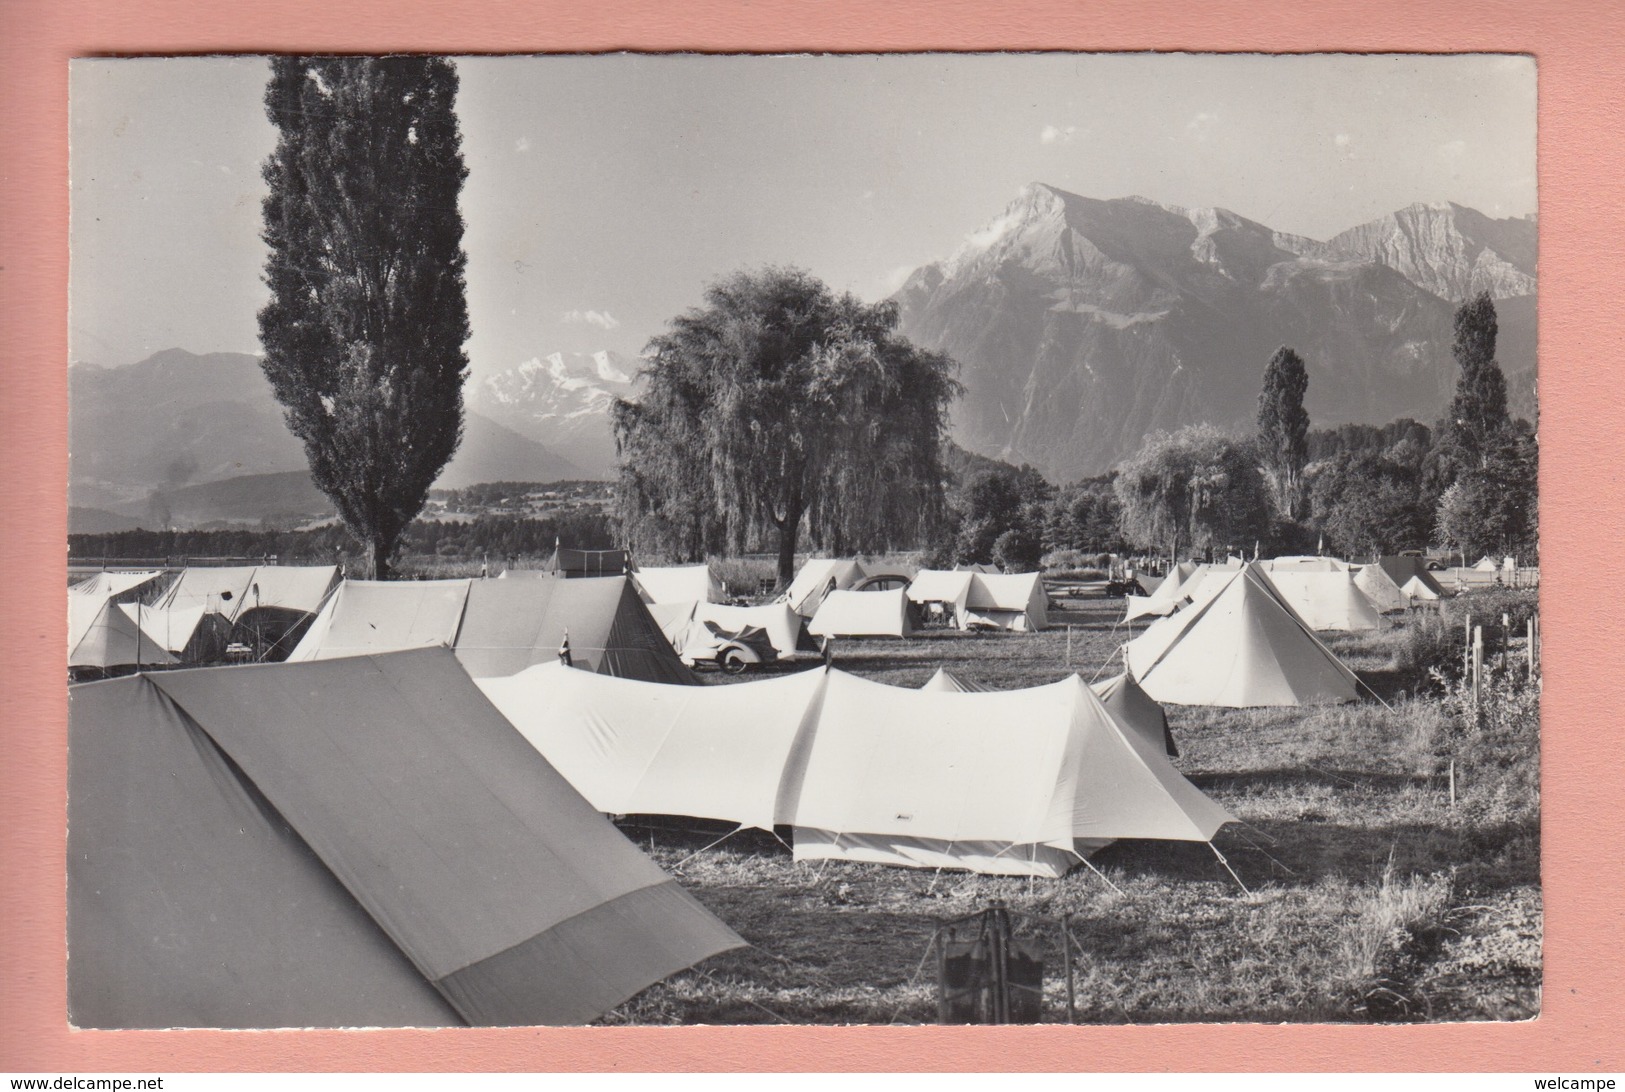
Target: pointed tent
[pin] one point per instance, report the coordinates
(864, 771)
(175, 629)
(353, 843)
(1126, 700)
(1240, 647)
(1417, 590)
(816, 578)
(952, 684)
(102, 635)
(680, 584)
(1165, 598)
(1327, 600)
(362, 617)
(862, 614)
(1403, 567)
(1377, 587)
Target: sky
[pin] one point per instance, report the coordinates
(605, 192)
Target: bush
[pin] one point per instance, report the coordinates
(1062, 559)
(1017, 551)
(1431, 647)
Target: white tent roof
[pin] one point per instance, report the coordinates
(1303, 564)
(1380, 588)
(816, 576)
(102, 635)
(1008, 600)
(170, 627)
(678, 584)
(217, 590)
(290, 587)
(1416, 588)
(865, 771)
(1327, 600)
(370, 616)
(941, 586)
(862, 614)
(105, 585)
(1241, 646)
(951, 684)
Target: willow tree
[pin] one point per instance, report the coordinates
(778, 408)
(1283, 428)
(1197, 486)
(364, 331)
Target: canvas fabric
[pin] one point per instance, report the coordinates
(1378, 587)
(102, 635)
(110, 585)
(1327, 600)
(862, 614)
(370, 616)
(218, 590)
(679, 584)
(816, 577)
(1417, 589)
(1401, 569)
(353, 842)
(172, 628)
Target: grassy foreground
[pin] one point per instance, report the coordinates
(1370, 896)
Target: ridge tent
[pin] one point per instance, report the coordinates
(1134, 708)
(817, 577)
(951, 589)
(908, 777)
(681, 584)
(1379, 588)
(862, 614)
(1326, 600)
(1241, 646)
(1487, 564)
(1403, 567)
(1416, 590)
(115, 585)
(102, 635)
(360, 842)
(864, 771)
(368, 616)
(497, 628)
(279, 606)
(509, 627)
(977, 567)
(1015, 601)
(678, 621)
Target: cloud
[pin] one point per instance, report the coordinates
(522, 144)
(1051, 134)
(601, 319)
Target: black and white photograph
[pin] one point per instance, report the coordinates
(647, 539)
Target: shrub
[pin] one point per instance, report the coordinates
(1062, 559)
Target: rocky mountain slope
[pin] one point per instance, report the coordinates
(563, 401)
(1083, 324)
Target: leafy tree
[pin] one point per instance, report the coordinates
(1197, 486)
(1018, 550)
(780, 406)
(1366, 503)
(364, 331)
(995, 501)
(1493, 510)
(1283, 427)
(1084, 516)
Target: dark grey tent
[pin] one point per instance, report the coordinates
(1402, 567)
(354, 842)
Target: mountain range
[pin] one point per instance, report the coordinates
(1082, 324)
(202, 437)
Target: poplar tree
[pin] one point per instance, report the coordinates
(1478, 412)
(364, 331)
(1283, 427)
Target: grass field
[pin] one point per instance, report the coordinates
(1370, 895)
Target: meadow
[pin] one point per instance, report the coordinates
(1386, 863)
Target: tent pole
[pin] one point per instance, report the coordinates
(1091, 866)
(1228, 869)
(713, 845)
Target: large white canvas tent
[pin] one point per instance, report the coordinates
(817, 577)
(1378, 587)
(684, 624)
(1240, 646)
(115, 585)
(1326, 600)
(945, 683)
(678, 584)
(174, 629)
(1019, 782)
(1165, 597)
(218, 590)
(862, 614)
(101, 635)
(497, 627)
(1121, 696)
(1015, 601)
(360, 842)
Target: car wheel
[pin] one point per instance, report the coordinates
(734, 662)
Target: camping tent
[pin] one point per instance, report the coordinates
(1120, 694)
(1303, 564)
(1240, 646)
(1326, 599)
(1402, 567)
(816, 578)
(575, 563)
(1379, 588)
(115, 585)
(218, 590)
(864, 771)
(175, 629)
(683, 623)
(1416, 590)
(681, 584)
(497, 628)
(952, 684)
(360, 842)
(862, 614)
(1008, 601)
(102, 635)
(951, 589)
